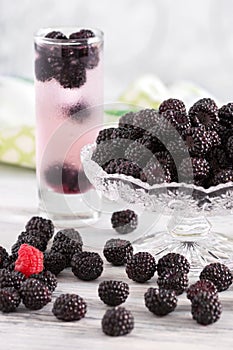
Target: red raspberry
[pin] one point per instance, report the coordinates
(30, 260)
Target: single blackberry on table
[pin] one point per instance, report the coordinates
(30, 240)
(173, 261)
(206, 308)
(104, 135)
(197, 141)
(117, 251)
(204, 113)
(35, 295)
(56, 35)
(69, 307)
(173, 280)
(113, 293)
(45, 226)
(117, 321)
(199, 287)
(3, 256)
(124, 221)
(122, 166)
(48, 278)
(87, 266)
(172, 104)
(219, 274)
(194, 170)
(222, 177)
(160, 301)
(9, 299)
(225, 114)
(141, 267)
(54, 262)
(6, 279)
(155, 173)
(67, 242)
(38, 235)
(18, 278)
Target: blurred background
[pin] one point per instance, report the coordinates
(174, 40)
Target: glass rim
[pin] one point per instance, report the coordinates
(39, 35)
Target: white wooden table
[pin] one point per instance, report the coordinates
(41, 330)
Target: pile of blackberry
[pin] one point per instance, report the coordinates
(171, 144)
(66, 63)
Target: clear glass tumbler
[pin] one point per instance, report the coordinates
(69, 114)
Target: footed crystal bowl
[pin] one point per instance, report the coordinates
(188, 206)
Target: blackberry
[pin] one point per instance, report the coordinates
(104, 135)
(3, 256)
(138, 154)
(69, 307)
(206, 308)
(65, 245)
(204, 113)
(141, 267)
(47, 278)
(229, 147)
(9, 299)
(18, 278)
(218, 159)
(222, 177)
(219, 274)
(45, 226)
(87, 266)
(197, 141)
(43, 71)
(117, 321)
(199, 287)
(78, 112)
(56, 35)
(113, 293)
(174, 120)
(127, 120)
(54, 262)
(160, 301)
(124, 221)
(172, 104)
(72, 75)
(122, 166)
(30, 240)
(82, 34)
(156, 173)
(215, 139)
(146, 119)
(35, 295)
(151, 140)
(173, 280)
(198, 171)
(104, 154)
(173, 261)
(117, 251)
(9, 264)
(89, 56)
(225, 114)
(6, 279)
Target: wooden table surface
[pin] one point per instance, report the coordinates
(41, 330)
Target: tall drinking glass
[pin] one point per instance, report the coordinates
(69, 100)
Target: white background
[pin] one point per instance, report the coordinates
(174, 39)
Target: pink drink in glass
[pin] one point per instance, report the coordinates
(69, 99)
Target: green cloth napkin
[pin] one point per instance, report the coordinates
(17, 120)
